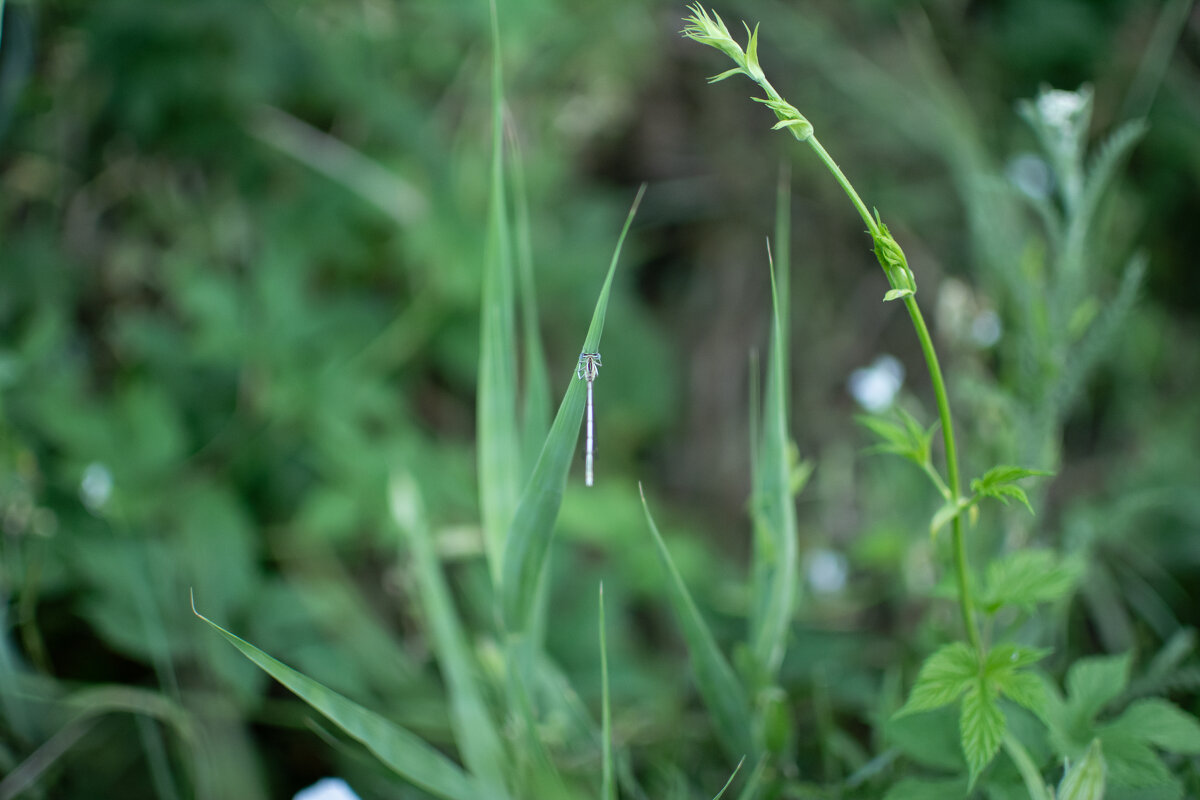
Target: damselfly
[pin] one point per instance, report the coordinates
(588, 369)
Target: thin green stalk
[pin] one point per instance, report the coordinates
(711, 30)
(962, 573)
(1030, 774)
(608, 788)
(844, 182)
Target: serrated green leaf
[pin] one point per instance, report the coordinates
(1160, 723)
(1135, 765)
(982, 727)
(403, 751)
(997, 483)
(532, 527)
(1007, 474)
(944, 676)
(895, 437)
(1006, 657)
(1104, 165)
(905, 438)
(1085, 780)
(719, 686)
(1025, 689)
(896, 294)
(1092, 683)
(1025, 578)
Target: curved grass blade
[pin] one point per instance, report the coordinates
(750, 790)
(719, 686)
(775, 568)
(528, 538)
(496, 413)
(474, 729)
(401, 750)
(732, 775)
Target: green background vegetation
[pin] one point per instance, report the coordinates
(241, 259)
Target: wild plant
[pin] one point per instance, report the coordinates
(500, 694)
(981, 670)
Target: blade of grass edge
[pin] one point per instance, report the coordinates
(532, 528)
(750, 790)
(496, 415)
(774, 573)
(719, 686)
(403, 751)
(535, 387)
(608, 789)
(732, 775)
(475, 731)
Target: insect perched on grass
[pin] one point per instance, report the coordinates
(589, 368)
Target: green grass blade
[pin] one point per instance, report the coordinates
(775, 550)
(719, 686)
(401, 750)
(608, 789)
(535, 382)
(750, 790)
(536, 775)
(729, 782)
(528, 538)
(535, 386)
(496, 412)
(474, 729)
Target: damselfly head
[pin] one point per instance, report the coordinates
(589, 366)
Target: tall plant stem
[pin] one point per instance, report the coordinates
(711, 30)
(958, 542)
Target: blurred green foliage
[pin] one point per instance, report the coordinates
(240, 271)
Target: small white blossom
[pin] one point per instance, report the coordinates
(826, 571)
(95, 488)
(327, 789)
(986, 328)
(875, 387)
(1031, 175)
(1059, 109)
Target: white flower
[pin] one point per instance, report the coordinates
(875, 387)
(826, 571)
(986, 328)
(95, 488)
(1031, 175)
(1059, 108)
(327, 789)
